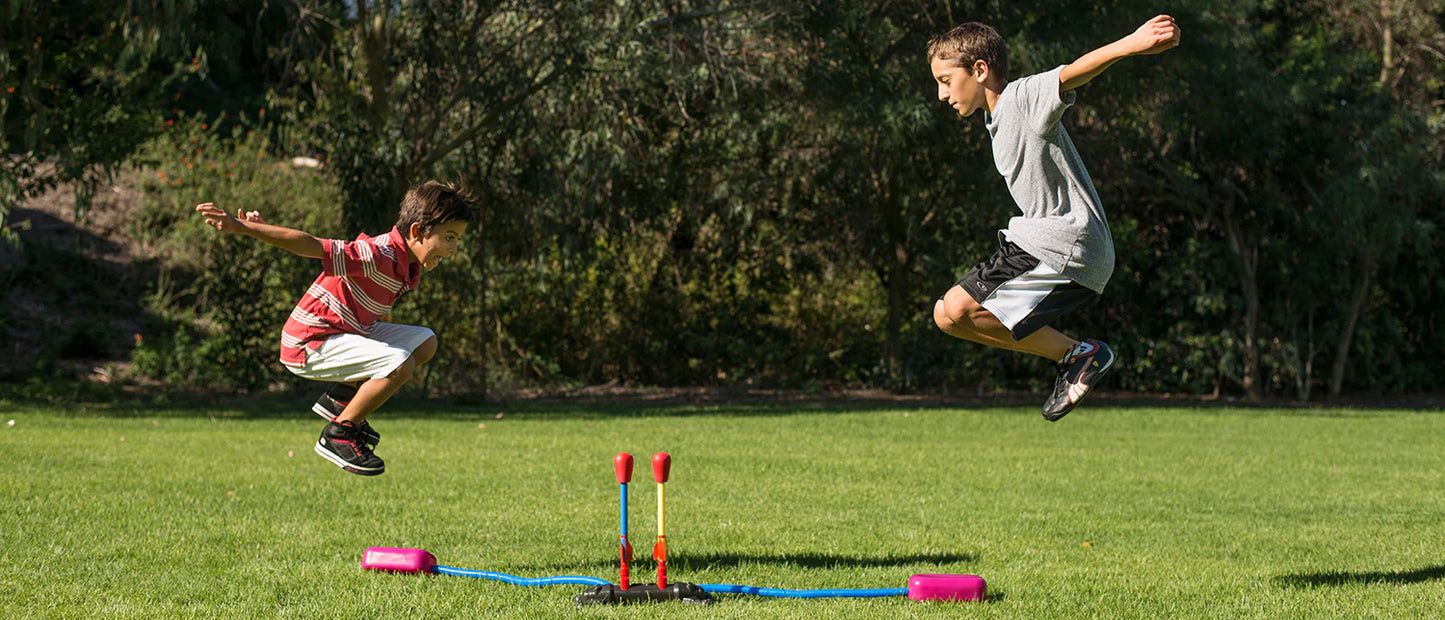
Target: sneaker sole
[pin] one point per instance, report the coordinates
(1102, 371)
(337, 461)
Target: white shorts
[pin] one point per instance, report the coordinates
(345, 358)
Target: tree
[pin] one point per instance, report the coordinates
(1378, 198)
(405, 86)
(85, 83)
(896, 172)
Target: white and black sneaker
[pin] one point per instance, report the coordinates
(1078, 373)
(331, 405)
(341, 444)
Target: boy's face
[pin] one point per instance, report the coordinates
(962, 91)
(429, 249)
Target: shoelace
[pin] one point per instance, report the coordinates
(363, 450)
(1063, 367)
(353, 432)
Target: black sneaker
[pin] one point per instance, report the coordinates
(1077, 375)
(341, 444)
(328, 407)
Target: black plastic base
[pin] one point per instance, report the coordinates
(642, 593)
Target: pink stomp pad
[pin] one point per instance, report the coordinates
(937, 587)
(400, 560)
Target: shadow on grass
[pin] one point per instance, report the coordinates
(669, 403)
(680, 566)
(817, 560)
(1343, 578)
(707, 561)
(272, 407)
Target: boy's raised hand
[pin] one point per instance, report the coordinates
(218, 218)
(249, 223)
(1156, 35)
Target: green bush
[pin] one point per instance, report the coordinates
(219, 302)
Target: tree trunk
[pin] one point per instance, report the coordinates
(897, 304)
(1251, 335)
(1387, 44)
(1305, 361)
(898, 259)
(371, 36)
(1248, 254)
(1363, 282)
(481, 262)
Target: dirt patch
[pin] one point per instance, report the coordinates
(102, 232)
(84, 327)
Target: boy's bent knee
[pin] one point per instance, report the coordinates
(959, 311)
(426, 350)
(953, 309)
(942, 317)
(404, 372)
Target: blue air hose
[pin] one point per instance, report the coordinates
(920, 587)
(728, 588)
(521, 581)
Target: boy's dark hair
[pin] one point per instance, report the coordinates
(432, 203)
(970, 42)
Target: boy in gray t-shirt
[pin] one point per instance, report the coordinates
(1059, 253)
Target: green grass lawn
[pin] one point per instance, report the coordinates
(1112, 512)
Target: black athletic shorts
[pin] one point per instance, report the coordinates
(1023, 293)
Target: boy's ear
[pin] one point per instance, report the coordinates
(414, 231)
(980, 71)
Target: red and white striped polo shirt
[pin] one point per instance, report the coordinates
(359, 282)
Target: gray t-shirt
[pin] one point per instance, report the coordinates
(1063, 223)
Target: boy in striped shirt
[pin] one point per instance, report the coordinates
(336, 332)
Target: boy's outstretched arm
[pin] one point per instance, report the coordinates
(251, 225)
(1156, 35)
